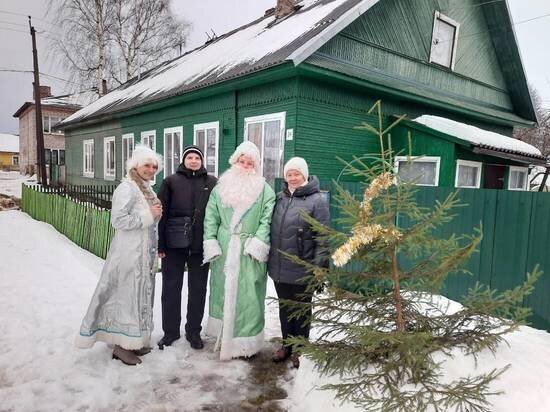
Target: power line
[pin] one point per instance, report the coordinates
(42, 74)
(25, 15)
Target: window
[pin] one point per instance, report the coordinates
(54, 157)
(88, 158)
(468, 174)
(444, 41)
(109, 163)
(127, 147)
(149, 138)
(206, 137)
(422, 171)
(49, 122)
(172, 149)
(15, 160)
(47, 156)
(517, 179)
(61, 157)
(267, 132)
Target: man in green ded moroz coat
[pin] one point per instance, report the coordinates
(236, 242)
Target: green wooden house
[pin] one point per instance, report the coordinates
(296, 82)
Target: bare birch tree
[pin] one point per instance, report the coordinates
(538, 136)
(115, 40)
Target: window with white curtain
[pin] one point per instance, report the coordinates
(149, 139)
(206, 136)
(267, 132)
(109, 163)
(88, 158)
(421, 171)
(517, 179)
(468, 174)
(172, 149)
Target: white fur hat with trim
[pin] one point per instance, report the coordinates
(141, 155)
(249, 149)
(299, 164)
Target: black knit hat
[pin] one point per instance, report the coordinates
(192, 149)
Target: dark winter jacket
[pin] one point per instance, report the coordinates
(291, 234)
(182, 193)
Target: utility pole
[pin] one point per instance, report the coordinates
(39, 128)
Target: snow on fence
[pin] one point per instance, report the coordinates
(79, 212)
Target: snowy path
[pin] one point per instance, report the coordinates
(46, 283)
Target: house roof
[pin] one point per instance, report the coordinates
(9, 143)
(484, 141)
(263, 43)
(74, 101)
(268, 42)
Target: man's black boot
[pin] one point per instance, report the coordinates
(195, 340)
(167, 341)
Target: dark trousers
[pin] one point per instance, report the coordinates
(297, 326)
(173, 266)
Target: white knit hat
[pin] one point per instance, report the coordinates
(141, 155)
(249, 149)
(299, 164)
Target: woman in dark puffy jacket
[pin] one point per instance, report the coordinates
(291, 234)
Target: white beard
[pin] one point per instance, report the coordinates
(239, 189)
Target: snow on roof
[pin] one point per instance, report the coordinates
(76, 99)
(9, 143)
(265, 42)
(478, 136)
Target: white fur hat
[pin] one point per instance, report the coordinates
(299, 164)
(249, 149)
(141, 155)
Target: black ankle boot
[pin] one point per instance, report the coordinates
(195, 340)
(167, 341)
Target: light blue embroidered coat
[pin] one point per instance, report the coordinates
(121, 309)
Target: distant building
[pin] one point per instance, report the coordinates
(54, 109)
(9, 151)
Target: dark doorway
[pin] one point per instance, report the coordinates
(493, 177)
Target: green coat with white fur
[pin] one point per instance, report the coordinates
(238, 257)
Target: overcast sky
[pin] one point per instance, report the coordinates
(532, 18)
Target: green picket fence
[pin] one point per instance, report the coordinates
(85, 224)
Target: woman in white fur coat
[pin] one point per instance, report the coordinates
(121, 309)
(236, 242)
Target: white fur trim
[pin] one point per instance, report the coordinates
(212, 250)
(143, 154)
(146, 217)
(124, 341)
(249, 149)
(257, 249)
(242, 346)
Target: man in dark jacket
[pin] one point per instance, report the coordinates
(184, 196)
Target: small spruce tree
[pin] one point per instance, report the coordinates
(382, 341)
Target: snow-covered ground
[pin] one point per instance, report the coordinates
(10, 183)
(46, 282)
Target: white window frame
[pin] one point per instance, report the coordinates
(91, 171)
(146, 135)
(518, 169)
(204, 127)
(106, 174)
(433, 159)
(439, 16)
(125, 138)
(171, 130)
(263, 119)
(477, 165)
(48, 129)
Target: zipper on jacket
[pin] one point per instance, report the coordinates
(281, 231)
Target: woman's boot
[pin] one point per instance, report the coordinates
(125, 356)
